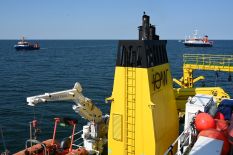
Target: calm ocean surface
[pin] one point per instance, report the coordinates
(57, 66)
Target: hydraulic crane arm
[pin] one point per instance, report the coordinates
(84, 105)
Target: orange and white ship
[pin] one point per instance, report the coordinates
(196, 41)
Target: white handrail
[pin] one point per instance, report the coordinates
(177, 139)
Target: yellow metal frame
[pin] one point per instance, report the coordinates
(208, 62)
(205, 62)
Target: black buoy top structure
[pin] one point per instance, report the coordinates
(146, 52)
(147, 31)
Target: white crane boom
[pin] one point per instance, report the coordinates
(84, 105)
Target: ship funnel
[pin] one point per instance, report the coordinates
(147, 31)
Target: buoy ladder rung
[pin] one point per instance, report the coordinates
(130, 110)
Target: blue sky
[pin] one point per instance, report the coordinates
(113, 19)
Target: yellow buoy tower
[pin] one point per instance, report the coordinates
(143, 117)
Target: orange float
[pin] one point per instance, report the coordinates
(219, 115)
(204, 121)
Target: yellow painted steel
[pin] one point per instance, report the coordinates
(182, 95)
(203, 62)
(207, 62)
(143, 117)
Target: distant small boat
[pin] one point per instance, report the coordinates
(196, 41)
(24, 45)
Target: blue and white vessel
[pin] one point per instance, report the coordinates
(24, 45)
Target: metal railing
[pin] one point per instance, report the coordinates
(184, 141)
(208, 59)
(209, 62)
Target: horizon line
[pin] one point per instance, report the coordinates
(99, 39)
